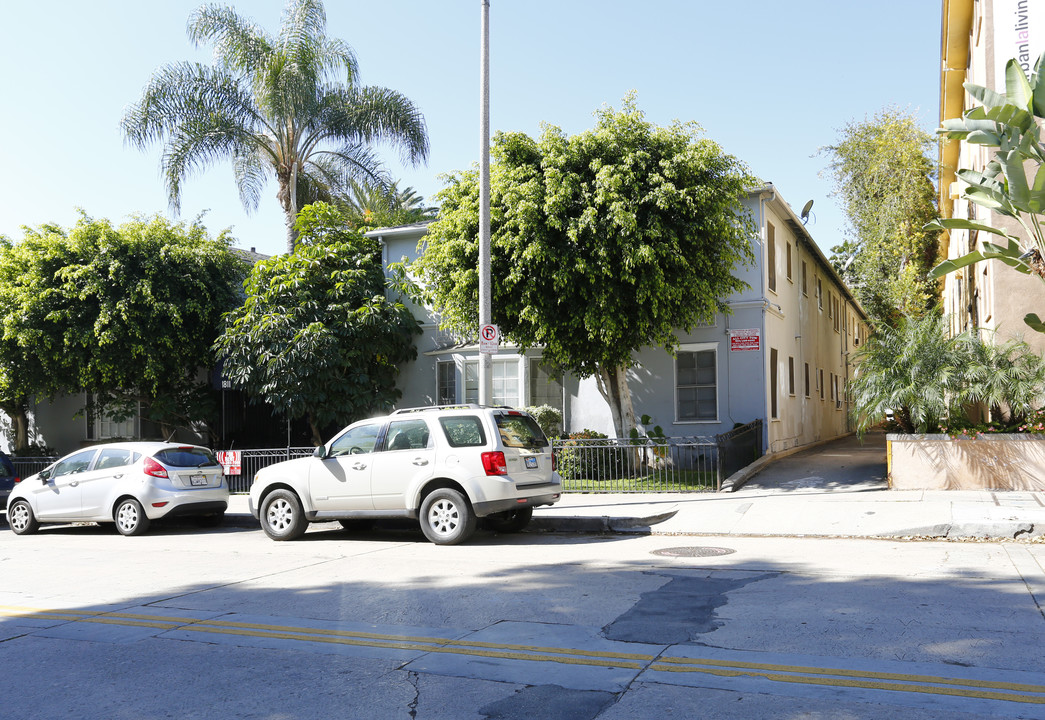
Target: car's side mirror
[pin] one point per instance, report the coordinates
(320, 452)
(44, 475)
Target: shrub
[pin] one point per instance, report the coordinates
(593, 456)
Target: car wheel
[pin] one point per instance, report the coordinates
(130, 517)
(21, 519)
(446, 517)
(209, 521)
(282, 517)
(512, 521)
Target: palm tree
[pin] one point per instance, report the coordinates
(288, 105)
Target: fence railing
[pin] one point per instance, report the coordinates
(26, 466)
(616, 465)
(602, 465)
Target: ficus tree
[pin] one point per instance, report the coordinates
(603, 243)
(127, 314)
(321, 334)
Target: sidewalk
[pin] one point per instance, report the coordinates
(836, 489)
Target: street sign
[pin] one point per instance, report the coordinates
(489, 339)
(231, 461)
(744, 340)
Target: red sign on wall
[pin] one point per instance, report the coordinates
(744, 340)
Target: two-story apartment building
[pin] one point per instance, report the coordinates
(782, 355)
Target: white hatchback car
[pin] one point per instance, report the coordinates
(445, 466)
(129, 483)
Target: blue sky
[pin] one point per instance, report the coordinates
(770, 81)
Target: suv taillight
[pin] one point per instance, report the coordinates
(494, 463)
(18, 479)
(154, 468)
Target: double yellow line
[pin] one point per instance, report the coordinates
(805, 675)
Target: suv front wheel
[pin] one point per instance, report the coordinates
(446, 517)
(282, 517)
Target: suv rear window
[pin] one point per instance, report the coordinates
(186, 457)
(521, 431)
(464, 431)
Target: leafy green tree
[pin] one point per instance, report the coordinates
(288, 106)
(317, 337)
(1006, 380)
(128, 314)
(1013, 183)
(883, 174)
(603, 243)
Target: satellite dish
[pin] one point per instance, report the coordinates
(805, 211)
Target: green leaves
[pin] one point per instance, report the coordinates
(317, 335)
(604, 242)
(129, 312)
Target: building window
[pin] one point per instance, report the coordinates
(835, 311)
(505, 382)
(791, 376)
(819, 294)
(105, 427)
(789, 278)
(446, 383)
(771, 255)
(471, 381)
(838, 395)
(805, 278)
(696, 383)
(545, 386)
(820, 382)
(807, 378)
(774, 384)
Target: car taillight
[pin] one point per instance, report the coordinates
(494, 463)
(18, 479)
(155, 469)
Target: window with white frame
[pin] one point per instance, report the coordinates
(545, 385)
(696, 383)
(505, 382)
(446, 382)
(105, 427)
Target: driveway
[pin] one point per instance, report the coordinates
(848, 464)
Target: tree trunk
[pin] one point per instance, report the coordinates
(20, 421)
(613, 384)
(288, 199)
(317, 435)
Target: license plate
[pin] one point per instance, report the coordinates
(198, 480)
(531, 462)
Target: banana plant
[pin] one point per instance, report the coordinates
(1009, 122)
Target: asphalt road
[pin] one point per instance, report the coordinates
(182, 623)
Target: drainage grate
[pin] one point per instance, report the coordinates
(694, 551)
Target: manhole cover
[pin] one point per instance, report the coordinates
(694, 551)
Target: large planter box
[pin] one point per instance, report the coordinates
(982, 462)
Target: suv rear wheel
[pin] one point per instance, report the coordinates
(446, 517)
(282, 517)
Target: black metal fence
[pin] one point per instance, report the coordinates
(26, 466)
(738, 448)
(602, 465)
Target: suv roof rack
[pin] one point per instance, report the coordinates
(429, 408)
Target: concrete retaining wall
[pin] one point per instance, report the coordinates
(984, 462)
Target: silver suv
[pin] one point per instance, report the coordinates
(445, 466)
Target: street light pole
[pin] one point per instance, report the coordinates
(485, 295)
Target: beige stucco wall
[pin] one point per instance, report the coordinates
(939, 462)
